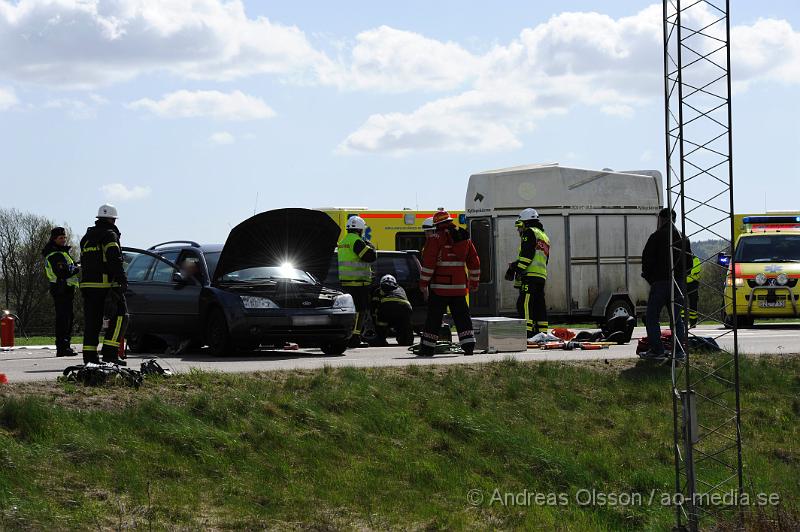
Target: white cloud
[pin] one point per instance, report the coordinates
(120, 192)
(222, 137)
(573, 59)
(79, 109)
(8, 98)
(389, 59)
(209, 104)
(83, 44)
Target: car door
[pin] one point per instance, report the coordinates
(159, 302)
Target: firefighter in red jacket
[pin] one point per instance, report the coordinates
(450, 267)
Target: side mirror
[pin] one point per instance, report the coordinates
(723, 259)
(177, 277)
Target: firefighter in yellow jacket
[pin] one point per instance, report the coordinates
(356, 256)
(530, 271)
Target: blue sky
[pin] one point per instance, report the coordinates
(188, 115)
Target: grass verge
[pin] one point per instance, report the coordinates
(372, 448)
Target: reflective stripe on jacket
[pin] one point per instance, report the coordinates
(101, 257)
(450, 266)
(51, 275)
(353, 271)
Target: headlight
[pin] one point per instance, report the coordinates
(782, 279)
(344, 301)
(739, 282)
(761, 279)
(257, 302)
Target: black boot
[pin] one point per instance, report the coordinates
(468, 349)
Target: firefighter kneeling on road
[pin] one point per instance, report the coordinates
(103, 285)
(391, 310)
(530, 271)
(356, 256)
(450, 266)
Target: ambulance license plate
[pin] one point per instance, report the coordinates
(772, 304)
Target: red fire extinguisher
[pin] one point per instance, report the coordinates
(7, 330)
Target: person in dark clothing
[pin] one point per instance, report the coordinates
(391, 310)
(103, 285)
(62, 273)
(656, 271)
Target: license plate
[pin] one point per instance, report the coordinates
(772, 304)
(310, 320)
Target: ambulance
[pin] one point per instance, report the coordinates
(767, 260)
(390, 230)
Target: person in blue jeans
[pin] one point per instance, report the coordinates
(656, 271)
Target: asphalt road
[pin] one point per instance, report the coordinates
(26, 364)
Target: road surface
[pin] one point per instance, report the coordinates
(40, 363)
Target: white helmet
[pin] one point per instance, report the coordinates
(528, 215)
(107, 211)
(356, 222)
(427, 225)
(388, 282)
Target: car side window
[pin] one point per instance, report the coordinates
(191, 265)
(162, 273)
(139, 267)
(396, 265)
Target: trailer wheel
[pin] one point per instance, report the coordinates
(618, 307)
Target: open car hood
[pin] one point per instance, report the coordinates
(302, 237)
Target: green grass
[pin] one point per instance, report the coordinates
(40, 340)
(369, 448)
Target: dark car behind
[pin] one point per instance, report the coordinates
(405, 266)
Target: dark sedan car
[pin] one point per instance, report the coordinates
(260, 288)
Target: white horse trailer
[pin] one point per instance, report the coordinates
(598, 222)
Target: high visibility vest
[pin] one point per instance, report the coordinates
(353, 271)
(51, 275)
(538, 266)
(697, 270)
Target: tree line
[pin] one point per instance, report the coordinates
(23, 284)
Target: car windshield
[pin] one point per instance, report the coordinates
(268, 273)
(769, 248)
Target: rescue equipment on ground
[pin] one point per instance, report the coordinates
(441, 348)
(101, 374)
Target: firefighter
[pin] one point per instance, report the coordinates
(427, 228)
(530, 270)
(450, 267)
(391, 310)
(62, 272)
(693, 290)
(356, 256)
(103, 285)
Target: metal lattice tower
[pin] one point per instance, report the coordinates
(705, 388)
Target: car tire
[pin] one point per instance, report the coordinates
(741, 322)
(335, 349)
(138, 343)
(218, 337)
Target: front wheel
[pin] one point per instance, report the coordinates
(218, 336)
(742, 322)
(335, 349)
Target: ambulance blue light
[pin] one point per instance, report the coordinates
(771, 219)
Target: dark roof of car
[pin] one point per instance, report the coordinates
(205, 248)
